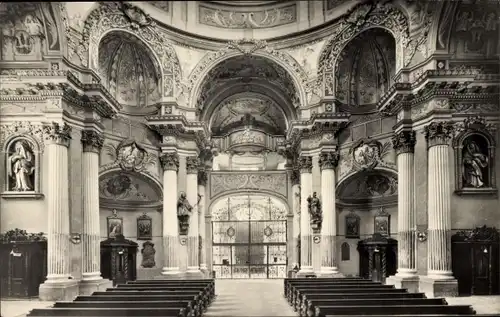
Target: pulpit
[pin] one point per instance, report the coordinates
(377, 257)
(118, 259)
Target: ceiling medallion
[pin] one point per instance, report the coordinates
(268, 231)
(230, 232)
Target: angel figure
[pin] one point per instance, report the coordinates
(21, 166)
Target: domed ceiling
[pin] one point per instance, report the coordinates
(235, 110)
(130, 73)
(365, 70)
(244, 3)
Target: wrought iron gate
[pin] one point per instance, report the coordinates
(249, 238)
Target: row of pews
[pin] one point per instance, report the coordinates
(322, 297)
(169, 298)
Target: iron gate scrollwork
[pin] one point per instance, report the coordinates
(249, 235)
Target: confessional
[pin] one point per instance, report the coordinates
(377, 257)
(475, 261)
(119, 259)
(23, 267)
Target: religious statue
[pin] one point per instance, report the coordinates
(21, 166)
(314, 206)
(184, 210)
(474, 164)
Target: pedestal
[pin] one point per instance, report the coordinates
(411, 283)
(66, 290)
(433, 287)
(89, 287)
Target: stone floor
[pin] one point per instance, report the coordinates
(252, 298)
(249, 298)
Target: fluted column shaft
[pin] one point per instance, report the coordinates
(305, 165)
(404, 145)
(58, 242)
(92, 142)
(192, 164)
(170, 164)
(439, 201)
(328, 162)
(295, 178)
(202, 182)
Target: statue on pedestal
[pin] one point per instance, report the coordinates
(314, 206)
(184, 210)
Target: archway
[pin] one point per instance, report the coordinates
(249, 237)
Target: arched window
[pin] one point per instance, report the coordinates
(345, 251)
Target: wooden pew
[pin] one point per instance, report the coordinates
(288, 281)
(322, 281)
(389, 310)
(129, 312)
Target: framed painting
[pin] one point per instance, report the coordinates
(115, 225)
(382, 223)
(352, 223)
(144, 228)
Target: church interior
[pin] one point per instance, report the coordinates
(233, 141)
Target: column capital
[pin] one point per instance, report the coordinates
(329, 160)
(202, 177)
(169, 161)
(192, 164)
(92, 141)
(58, 134)
(305, 164)
(295, 176)
(438, 133)
(404, 142)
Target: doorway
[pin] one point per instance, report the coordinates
(249, 238)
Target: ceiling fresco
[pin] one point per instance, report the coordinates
(261, 108)
(247, 70)
(365, 69)
(130, 74)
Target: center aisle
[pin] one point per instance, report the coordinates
(249, 298)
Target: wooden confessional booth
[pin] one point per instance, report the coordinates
(377, 257)
(23, 265)
(118, 259)
(475, 261)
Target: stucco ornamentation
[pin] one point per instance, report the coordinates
(130, 156)
(243, 19)
(116, 16)
(272, 182)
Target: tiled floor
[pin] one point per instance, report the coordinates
(249, 298)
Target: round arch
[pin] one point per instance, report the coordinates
(246, 193)
(210, 61)
(111, 16)
(390, 19)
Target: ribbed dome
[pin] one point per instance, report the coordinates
(244, 3)
(129, 71)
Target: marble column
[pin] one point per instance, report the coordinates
(406, 276)
(92, 142)
(59, 285)
(170, 164)
(295, 179)
(202, 208)
(193, 246)
(328, 162)
(305, 167)
(439, 280)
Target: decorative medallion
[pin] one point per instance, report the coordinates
(317, 239)
(268, 231)
(230, 232)
(130, 156)
(367, 153)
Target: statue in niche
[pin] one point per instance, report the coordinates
(184, 210)
(21, 166)
(148, 255)
(474, 163)
(314, 206)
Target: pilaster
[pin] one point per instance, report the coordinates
(305, 168)
(193, 268)
(295, 181)
(202, 183)
(59, 285)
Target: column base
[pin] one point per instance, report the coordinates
(433, 287)
(410, 282)
(194, 273)
(330, 272)
(170, 276)
(66, 290)
(91, 286)
(204, 271)
(305, 271)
